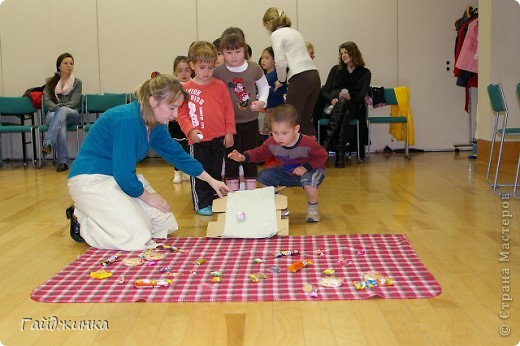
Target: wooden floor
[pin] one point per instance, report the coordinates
(440, 200)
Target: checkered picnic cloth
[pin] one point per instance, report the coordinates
(389, 254)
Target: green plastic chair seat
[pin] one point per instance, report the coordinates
(511, 131)
(388, 120)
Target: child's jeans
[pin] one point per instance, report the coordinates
(277, 176)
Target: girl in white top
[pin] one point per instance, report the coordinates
(293, 65)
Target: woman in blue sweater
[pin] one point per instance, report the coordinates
(117, 208)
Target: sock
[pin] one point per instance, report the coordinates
(233, 184)
(250, 183)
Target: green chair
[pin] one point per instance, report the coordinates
(97, 104)
(390, 100)
(22, 108)
(499, 106)
(352, 122)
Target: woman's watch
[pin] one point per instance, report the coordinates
(281, 82)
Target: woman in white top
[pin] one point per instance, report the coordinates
(293, 65)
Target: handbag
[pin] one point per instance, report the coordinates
(376, 96)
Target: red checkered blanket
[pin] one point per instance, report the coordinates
(348, 255)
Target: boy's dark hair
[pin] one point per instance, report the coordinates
(285, 113)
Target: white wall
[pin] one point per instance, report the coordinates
(117, 43)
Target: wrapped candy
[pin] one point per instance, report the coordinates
(144, 283)
(286, 253)
(108, 261)
(296, 266)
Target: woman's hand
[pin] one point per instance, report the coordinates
(236, 156)
(277, 85)
(155, 200)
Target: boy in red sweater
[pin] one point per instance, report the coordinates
(301, 160)
(208, 121)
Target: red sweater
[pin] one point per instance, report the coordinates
(306, 152)
(209, 110)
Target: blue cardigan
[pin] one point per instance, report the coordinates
(118, 141)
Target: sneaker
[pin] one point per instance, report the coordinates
(177, 179)
(205, 211)
(285, 213)
(185, 177)
(313, 213)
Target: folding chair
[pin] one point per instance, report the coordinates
(515, 194)
(22, 108)
(390, 100)
(499, 106)
(352, 122)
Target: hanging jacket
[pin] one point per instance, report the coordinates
(398, 131)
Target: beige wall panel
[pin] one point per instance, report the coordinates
(34, 33)
(426, 41)
(215, 16)
(138, 37)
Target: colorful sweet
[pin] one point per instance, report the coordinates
(344, 262)
(132, 262)
(276, 269)
(254, 278)
(361, 253)
(296, 266)
(286, 253)
(216, 274)
(165, 269)
(319, 252)
(328, 271)
(121, 280)
(144, 283)
(108, 261)
(100, 275)
(372, 279)
(173, 274)
(216, 279)
(331, 281)
(258, 260)
(200, 261)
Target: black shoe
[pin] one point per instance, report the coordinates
(47, 149)
(62, 167)
(74, 225)
(340, 159)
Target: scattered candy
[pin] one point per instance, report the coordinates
(132, 262)
(286, 253)
(296, 266)
(372, 279)
(319, 252)
(200, 261)
(360, 253)
(258, 260)
(216, 279)
(256, 277)
(216, 274)
(165, 269)
(100, 275)
(108, 261)
(276, 269)
(241, 216)
(173, 274)
(331, 281)
(344, 262)
(121, 280)
(308, 288)
(328, 271)
(152, 283)
(150, 263)
(153, 256)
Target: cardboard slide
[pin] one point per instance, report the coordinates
(262, 216)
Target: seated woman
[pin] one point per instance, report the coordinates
(62, 99)
(346, 87)
(115, 208)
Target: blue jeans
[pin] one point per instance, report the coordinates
(56, 136)
(277, 176)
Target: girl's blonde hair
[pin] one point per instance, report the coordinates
(164, 88)
(275, 18)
